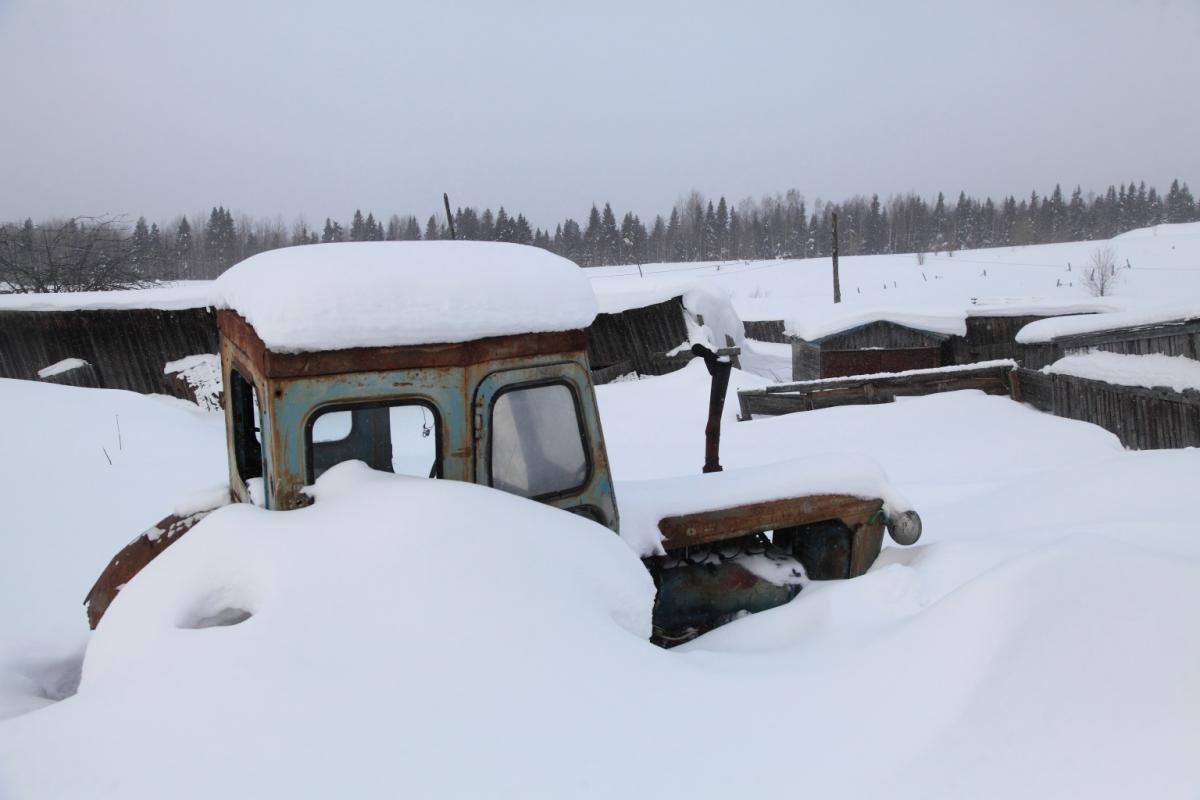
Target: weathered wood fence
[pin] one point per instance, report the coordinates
(638, 340)
(1143, 419)
(784, 398)
(765, 330)
(126, 348)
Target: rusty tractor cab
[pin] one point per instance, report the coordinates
(515, 411)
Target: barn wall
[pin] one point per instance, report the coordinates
(841, 363)
(127, 348)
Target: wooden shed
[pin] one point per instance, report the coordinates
(877, 346)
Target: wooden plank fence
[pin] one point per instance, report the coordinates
(126, 348)
(1143, 419)
(786, 398)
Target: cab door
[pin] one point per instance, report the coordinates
(537, 435)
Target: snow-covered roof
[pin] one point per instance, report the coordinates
(1038, 307)
(163, 297)
(827, 321)
(1149, 371)
(1044, 330)
(377, 294)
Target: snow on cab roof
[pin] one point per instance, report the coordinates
(379, 294)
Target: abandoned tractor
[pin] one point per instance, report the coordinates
(468, 361)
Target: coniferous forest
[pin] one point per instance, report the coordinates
(695, 229)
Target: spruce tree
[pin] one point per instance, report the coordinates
(610, 237)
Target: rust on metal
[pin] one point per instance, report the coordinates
(719, 370)
(133, 558)
(688, 530)
(381, 359)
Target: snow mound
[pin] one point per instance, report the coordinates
(378, 294)
(1149, 371)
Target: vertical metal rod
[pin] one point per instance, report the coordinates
(719, 370)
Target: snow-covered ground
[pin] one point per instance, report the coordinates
(1042, 639)
(1163, 268)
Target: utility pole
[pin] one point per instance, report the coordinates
(837, 284)
(449, 216)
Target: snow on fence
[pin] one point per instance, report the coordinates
(1173, 338)
(784, 398)
(1143, 419)
(126, 348)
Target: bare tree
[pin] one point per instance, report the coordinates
(80, 254)
(1102, 276)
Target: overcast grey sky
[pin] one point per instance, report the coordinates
(289, 108)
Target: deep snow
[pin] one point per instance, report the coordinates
(1041, 638)
(433, 639)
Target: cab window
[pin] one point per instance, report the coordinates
(403, 438)
(538, 447)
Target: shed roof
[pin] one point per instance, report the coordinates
(823, 323)
(315, 298)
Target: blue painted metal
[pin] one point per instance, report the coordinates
(461, 397)
(596, 493)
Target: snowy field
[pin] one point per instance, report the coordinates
(1163, 268)
(1042, 639)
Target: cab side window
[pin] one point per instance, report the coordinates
(247, 435)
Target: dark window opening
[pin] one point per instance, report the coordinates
(404, 438)
(538, 445)
(247, 435)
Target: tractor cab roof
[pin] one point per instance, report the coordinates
(328, 297)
